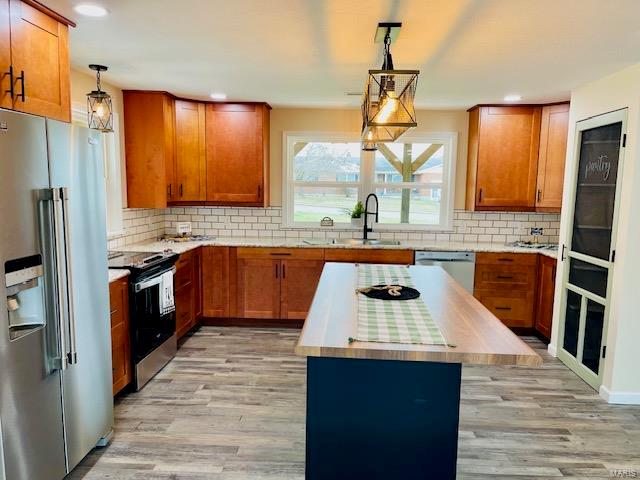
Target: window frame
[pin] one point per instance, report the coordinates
(368, 183)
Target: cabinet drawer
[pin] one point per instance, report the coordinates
(281, 253)
(509, 277)
(484, 258)
(513, 308)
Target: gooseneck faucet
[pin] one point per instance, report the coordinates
(368, 229)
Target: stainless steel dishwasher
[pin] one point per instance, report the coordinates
(460, 265)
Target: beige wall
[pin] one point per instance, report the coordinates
(84, 82)
(350, 121)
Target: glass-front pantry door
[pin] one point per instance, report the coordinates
(590, 247)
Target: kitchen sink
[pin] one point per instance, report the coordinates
(352, 242)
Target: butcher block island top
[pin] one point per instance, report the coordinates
(474, 334)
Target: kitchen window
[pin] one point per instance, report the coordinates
(326, 174)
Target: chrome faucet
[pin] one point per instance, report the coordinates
(368, 229)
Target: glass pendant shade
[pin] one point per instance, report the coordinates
(388, 108)
(99, 107)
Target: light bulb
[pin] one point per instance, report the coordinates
(370, 135)
(389, 106)
(100, 110)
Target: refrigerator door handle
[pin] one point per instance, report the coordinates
(72, 356)
(52, 218)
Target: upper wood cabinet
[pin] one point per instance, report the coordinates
(34, 58)
(503, 157)
(237, 154)
(553, 150)
(149, 133)
(182, 152)
(5, 56)
(516, 157)
(190, 164)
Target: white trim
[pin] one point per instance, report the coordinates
(367, 181)
(553, 351)
(619, 398)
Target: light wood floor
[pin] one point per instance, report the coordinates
(231, 406)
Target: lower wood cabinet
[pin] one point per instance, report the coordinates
(505, 283)
(187, 291)
(546, 290)
(277, 282)
(120, 339)
(216, 283)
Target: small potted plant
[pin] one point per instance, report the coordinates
(357, 219)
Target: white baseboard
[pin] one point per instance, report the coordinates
(551, 348)
(620, 398)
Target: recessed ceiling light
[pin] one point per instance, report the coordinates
(91, 10)
(218, 96)
(512, 98)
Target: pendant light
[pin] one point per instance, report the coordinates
(99, 108)
(388, 108)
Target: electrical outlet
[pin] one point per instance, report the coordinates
(183, 228)
(537, 231)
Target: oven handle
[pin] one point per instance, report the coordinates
(137, 287)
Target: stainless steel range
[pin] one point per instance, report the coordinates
(151, 310)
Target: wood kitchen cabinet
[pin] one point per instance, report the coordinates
(5, 55)
(505, 283)
(34, 57)
(120, 335)
(545, 293)
(190, 161)
(277, 282)
(502, 160)
(182, 152)
(516, 156)
(553, 150)
(237, 169)
(187, 291)
(149, 131)
(215, 282)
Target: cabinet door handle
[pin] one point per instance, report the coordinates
(11, 90)
(539, 195)
(480, 196)
(259, 191)
(169, 190)
(284, 271)
(276, 270)
(505, 277)
(503, 259)
(280, 253)
(21, 95)
(181, 190)
(502, 308)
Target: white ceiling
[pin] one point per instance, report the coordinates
(311, 52)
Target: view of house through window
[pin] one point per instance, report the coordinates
(326, 178)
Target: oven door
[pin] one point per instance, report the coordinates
(149, 327)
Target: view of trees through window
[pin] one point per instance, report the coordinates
(328, 178)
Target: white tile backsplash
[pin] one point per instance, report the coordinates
(491, 227)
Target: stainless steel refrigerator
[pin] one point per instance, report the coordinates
(55, 350)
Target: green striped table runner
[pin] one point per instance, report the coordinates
(393, 321)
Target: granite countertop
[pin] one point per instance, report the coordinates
(181, 247)
(117, 274)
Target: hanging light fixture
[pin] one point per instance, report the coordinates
(99, 109)
(388, 105)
